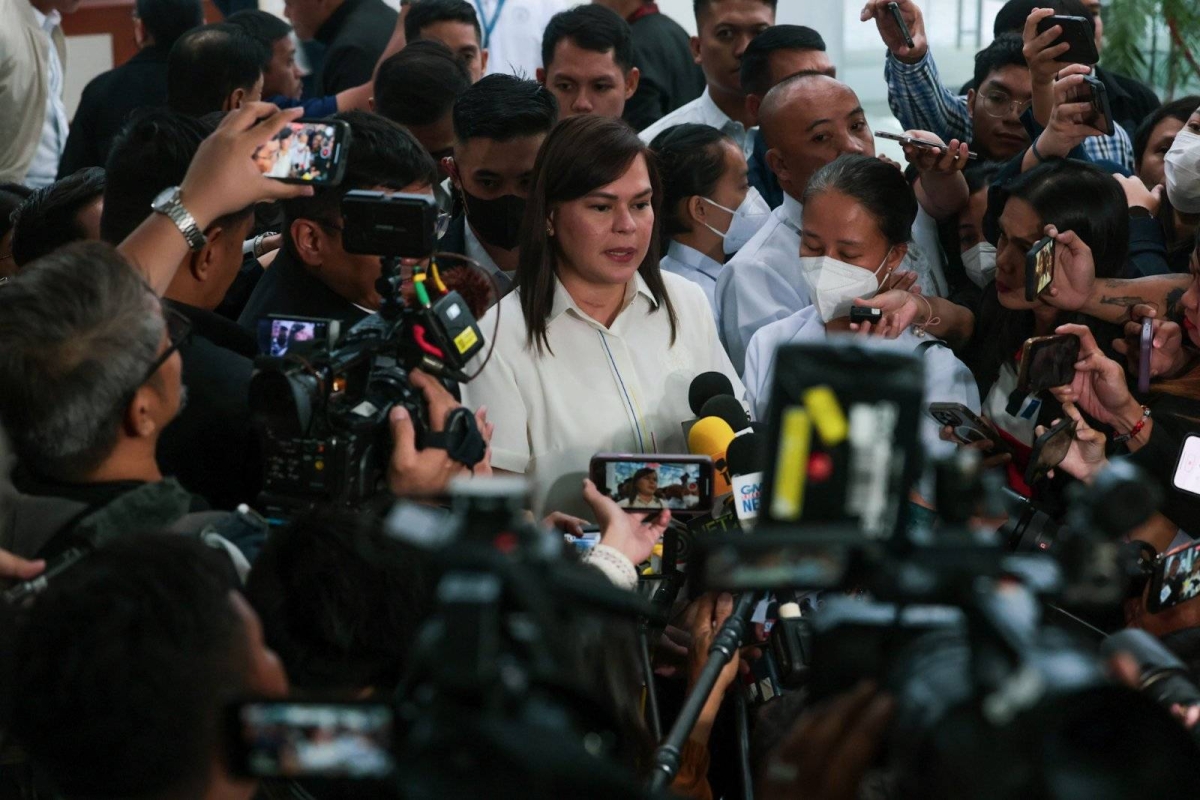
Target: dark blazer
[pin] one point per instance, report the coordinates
(288, 288)
(211, 447)
(670, 76)
(106, 104)
(355, 36)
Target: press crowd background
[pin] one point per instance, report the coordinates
(520, 398)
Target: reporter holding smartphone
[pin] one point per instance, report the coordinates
(597, 347)
(857, 220)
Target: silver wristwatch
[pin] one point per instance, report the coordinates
(167, 203)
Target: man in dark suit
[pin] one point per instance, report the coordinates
(211, 447)
(313, 275)
(140, 82)
(670, 76)
(354, 32)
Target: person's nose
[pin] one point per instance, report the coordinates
(851, 145)
(583, 103)
(623, 221)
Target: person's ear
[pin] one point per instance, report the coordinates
(205, 260)
(371, 104)
(632, 79)
(540, 74)
(483, 61)
(895, 258)
(550, 224)
(308, 240)
(778, 166)
(694, 43)
(139, 420)
(753, 103)
(234, 101)
(139, 32)
(451, 168)
(971, 104)
(697, 209)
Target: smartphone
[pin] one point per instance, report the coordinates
(1100, 117)
(1049, 450)
(1039, 268)
(865, 314)
(311, 740)
(898, 18)
(382, 224)
(968, 426)
(1046, 362)
(916, 142)
(1079, 33)
(280, 335)
(310, 151)
(1144, 355)
(1187, 466)
(681, 483)
(1175, 580)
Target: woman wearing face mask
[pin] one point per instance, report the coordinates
(709, 208)
(1181, 167)
(963, 234)
(596, 348)
(857, 220)
(1151, 144)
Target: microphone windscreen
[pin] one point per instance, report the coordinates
(706, 386)
(709, 437)
(746, 454)
(728, 408)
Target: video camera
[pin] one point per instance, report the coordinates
(322, 407)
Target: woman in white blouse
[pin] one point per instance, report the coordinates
(858, 216)
(596, 348)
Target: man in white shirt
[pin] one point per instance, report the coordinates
(512, 32)
(726, 28)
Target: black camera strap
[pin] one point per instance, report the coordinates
(461, 438)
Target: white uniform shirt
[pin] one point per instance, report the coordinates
(597, 389)
(947, 380)
(703, 111)
(515, 42)
(688, 262)
(44, 167)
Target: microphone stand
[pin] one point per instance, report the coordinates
(648, 677)
(725, 644)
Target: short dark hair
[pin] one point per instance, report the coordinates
(1012, 15)
(418, 85)
(11, 197)
(167, 20)
(382, 153)
(699, 6)
(756, 60)
(262, 26)
(340, 601)
(1004, 51)
(428, 12)
(1180, 109)
(590, 27)
(690, 163)
(879, 187)
(48, 218)
(150, 154)
(210, 63)
(504, 107)
(123, 667)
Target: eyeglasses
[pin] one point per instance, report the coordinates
(179, 330)
(1000, 105)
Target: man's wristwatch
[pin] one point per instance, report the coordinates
(167, 203)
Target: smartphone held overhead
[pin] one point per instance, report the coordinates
(306, 151)
(1079, 33)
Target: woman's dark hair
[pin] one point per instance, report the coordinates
(690, 163)
(876, 185)
(1179, 109)
(579, 156)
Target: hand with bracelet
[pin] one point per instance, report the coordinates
(901, 310)
(1100, 390)
(1066, 129)
(1168, 356)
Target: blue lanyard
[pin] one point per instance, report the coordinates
(489, 25)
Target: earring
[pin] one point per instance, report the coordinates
(549, 229)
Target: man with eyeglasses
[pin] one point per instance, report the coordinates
(989, 117)
(313, 275)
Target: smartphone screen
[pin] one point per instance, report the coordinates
(1187, 466)
(1042, 255)
(1049, 450)
(279, 336)
(1051, 361)
(312, 740)
(305, 151)
(683, 484)
(968, 427)
(1176, 579)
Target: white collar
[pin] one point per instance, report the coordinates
(791, 213)
(564, 302)
(49, 22)
(691, 257)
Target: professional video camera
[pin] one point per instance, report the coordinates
(321, 401)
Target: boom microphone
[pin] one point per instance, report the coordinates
(705, 387)
(728, 408)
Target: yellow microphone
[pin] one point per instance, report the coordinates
(710, 436)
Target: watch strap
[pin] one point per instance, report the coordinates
(172, 207)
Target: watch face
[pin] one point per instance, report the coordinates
(163, 197)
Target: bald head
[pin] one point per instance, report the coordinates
(808, 120)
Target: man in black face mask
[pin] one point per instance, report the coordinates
(499, 124)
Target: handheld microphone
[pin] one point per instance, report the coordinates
(746, 457)
(709, 437)
(1165, 678)
(705, 387)
(728, 408)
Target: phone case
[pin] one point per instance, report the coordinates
(1037, 466)
(1077, 31)
(965, 418)
(1103, 120)
(1029, 351)
(1032, 290)
(1144, 355)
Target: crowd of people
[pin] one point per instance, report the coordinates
(642, 207)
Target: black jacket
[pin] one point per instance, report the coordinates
(670, 76)
(211, 447)
(355, 36)
(1131, 100)
(288, 288)
(106, 104)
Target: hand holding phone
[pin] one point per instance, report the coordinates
(1175, 580)
(1079, 33)
(306, 151)
(1049, 450)
(918, 142)
(1146, 344)
(969, 427)
(681, 483)
(1039, 268)
(1100, 116)
(901, 25)
(1047, 362)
